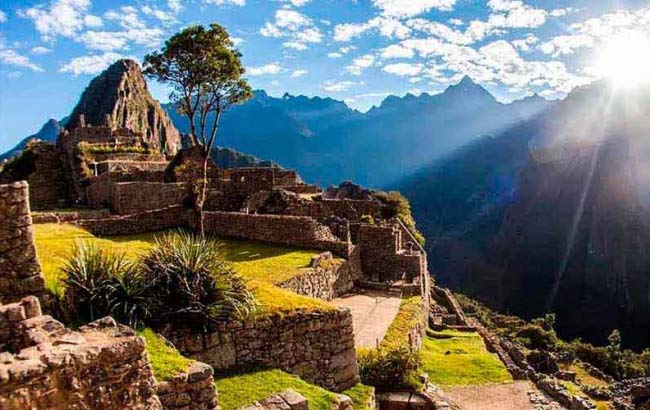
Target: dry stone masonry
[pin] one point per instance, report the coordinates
(194, 389)
(103, 366)
(317, 346)
(20, 272)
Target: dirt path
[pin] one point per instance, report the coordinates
(372, 314)
(509, 396)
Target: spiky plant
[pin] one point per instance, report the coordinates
(129, 298)
(193, 281)
(86, 273)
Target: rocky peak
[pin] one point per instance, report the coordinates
(121, 91)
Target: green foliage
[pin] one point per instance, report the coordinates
(261, 265)
(398, 206)
(90, 274)
(165, 360)
(536, 337)
(394, 364)
(239, 389)
(388, 368)
(86, 148)
(613, 361)
(367, 219)
(192, 282)
(204, 69)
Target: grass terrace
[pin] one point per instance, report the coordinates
(237, 390)
(453, 358)
(262, 265)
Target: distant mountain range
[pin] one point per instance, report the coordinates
(552, 214)
(327, 142)
(48, 132)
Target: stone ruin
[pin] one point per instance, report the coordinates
(124, 179)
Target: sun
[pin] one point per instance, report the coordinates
(625, 60)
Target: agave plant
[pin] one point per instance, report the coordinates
(193, 282)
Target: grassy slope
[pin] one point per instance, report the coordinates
(408, 316)
(461, 360)
(263, 265)
(165, 360)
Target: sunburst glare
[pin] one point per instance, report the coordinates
(625, 60)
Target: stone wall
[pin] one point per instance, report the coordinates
(69, 216)
(328, 279)
(279, 229)
(132, 197)
(20, 272)
(383, 256)
(98, 191)
(194, 389)
(103, 366)
(143, 222)
(317, 346)
(41, 166)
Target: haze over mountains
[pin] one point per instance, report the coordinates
(327, 142)
(550, 215)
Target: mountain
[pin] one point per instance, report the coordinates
(121, 92)
(551, 215)
(327, 142)
(48, 132)
(228, 158)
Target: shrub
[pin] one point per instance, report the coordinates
(388, 369)
(129, 299)
(398, 206)
(87, 273)
(192, 281)
(535, 337)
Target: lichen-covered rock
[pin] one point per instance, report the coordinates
(121, 92)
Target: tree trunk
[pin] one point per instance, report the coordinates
(201, 196)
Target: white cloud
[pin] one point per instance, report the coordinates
(298, 29)
(3, 17)
(298, 73)
(334, 55)
(103, 40)
(397, 51)
(91, 64)
(525, 43)
(174, 5)
(165, 17)
(64, 18)
(237, 40)
(409, 8)
(456, 22)
(359, 64)
(566, 44)
(239, 3)
(387, 26)
(127, 17)
(403, 69)
(296, 3)
(338, 86)
(267, 69)
(11, 57)
(40, 50)
(93, 21)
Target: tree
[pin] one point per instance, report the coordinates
(204, 69)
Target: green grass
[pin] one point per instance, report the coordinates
(165, 360)
(461, 360)
(241, 389)
(261, 264)
(361, 396)
(408, 316)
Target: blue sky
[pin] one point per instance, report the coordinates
(357, 51)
